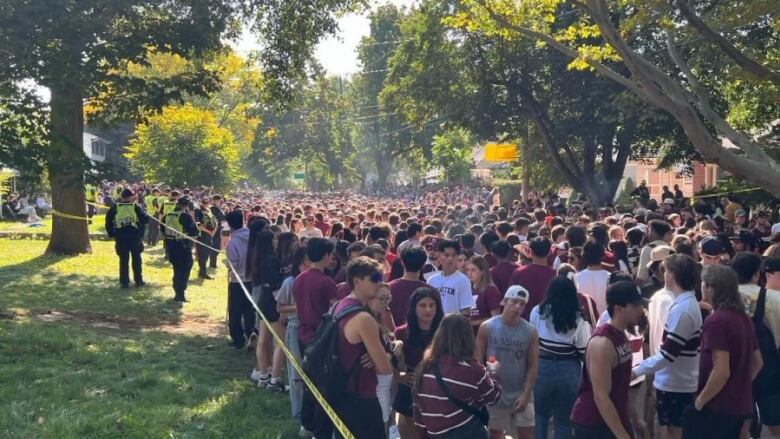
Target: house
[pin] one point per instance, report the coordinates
(699, 176)
(105, 147)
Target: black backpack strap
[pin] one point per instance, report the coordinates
(480, 414)
(758, 316)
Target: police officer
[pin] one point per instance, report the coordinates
(90, 194)
(216, 242)
(125, 222)
(153, 233)
(207, 224)
(178, 248)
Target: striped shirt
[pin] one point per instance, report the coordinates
(571, 343)
(468, 381)
(676, 364)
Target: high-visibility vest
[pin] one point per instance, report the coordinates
(125, 216)
(149, 201)
(117, 192)
(209, 221)
(172, 222)
(90, 193)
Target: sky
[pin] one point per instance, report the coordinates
(336, 53)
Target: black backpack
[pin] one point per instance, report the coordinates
(321, 364)
(767, 381)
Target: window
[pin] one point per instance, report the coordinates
(98, 148)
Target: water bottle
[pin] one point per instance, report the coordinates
(491, 363)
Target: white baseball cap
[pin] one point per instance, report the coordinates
(517, 292)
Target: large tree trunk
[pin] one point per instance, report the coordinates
(383, 167)
(66, 170)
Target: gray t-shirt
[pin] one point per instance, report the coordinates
(509, 344)
(285, 296)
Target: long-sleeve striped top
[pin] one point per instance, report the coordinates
(568, 344)
(676, 364)
(468, 381)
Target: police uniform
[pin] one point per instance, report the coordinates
(179, 248)
(90, 194)
(125, 223)
(216, 241)
(206, 219)
(153, 229)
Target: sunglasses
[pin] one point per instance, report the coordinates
(385, 300)
(376, 277)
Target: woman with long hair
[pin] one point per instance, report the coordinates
(285, 305)
(620, 250)
(563, 336)
(425, 314)
(448, 378)
(729, 362)
(488, 302)
(287, 244)
(265, 271)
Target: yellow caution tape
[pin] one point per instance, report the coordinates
(338, 424)
(69, 216)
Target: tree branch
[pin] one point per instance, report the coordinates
(566, 50)
(701, 100)
(746, 63)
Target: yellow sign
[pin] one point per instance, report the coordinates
(501, 152)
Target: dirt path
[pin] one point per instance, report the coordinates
(180, 325)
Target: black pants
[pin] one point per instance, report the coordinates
(216, 242)
(706, 424)
(593, 432)
(153, 233)
(180, 256)
(362, 416)
(241, 315)
(203, 254)
(127, 250)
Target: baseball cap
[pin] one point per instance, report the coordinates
(712, 246)
(744, 236)
(516, 292)
(623, 293)
(772, 264)
(660, 253)
(740, 212)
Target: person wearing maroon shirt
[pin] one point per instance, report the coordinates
(487, 302)
(486, 240)
(313, 290)
(601, 408)
(730, 360)
(536, 276)
(451, 357)
(502, 272)
(413, 259)
(425, 314)
(365, 407)
(320, 223)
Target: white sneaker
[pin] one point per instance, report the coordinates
(302, 432)
(258, 376)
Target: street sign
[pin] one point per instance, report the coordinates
(299, 176)
(501, 152)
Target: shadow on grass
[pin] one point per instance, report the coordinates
(33, 285)
(64, 380)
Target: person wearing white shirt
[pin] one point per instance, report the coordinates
(676, 364)
(594, 279)
(453, 286)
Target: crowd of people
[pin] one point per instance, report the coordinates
(453, 315)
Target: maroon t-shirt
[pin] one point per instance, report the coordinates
(323, 226)
(502, 275)
(413, 349)
(341, 276)
(361, 382)
(490, 259)
(734, 333)
(535, 279)
(487, 300)
(313, 290)
(342, 290)
(401, 291)
(585, 411)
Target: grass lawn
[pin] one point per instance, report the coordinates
(81, 358)
(98, 225)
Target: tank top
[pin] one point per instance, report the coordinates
(509, 344)
(362, 382)
(585, 411)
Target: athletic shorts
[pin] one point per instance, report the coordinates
(502, 418)
(268, 305)
(769, 410)
(670, 407)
